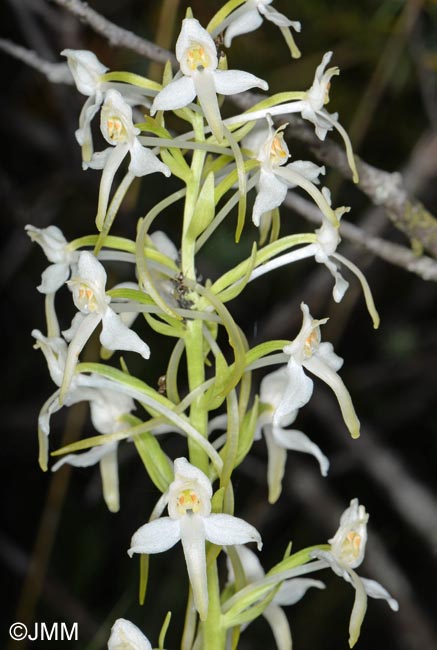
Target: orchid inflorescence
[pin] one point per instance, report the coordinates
(218, 163)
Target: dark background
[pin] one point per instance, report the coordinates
(387, 97)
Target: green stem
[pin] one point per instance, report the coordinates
(196, 376)
(214, 633)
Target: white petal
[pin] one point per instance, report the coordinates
(185, 472)
(193, 542)
(308, 333)
(116, 336)
(297, 393)
(231, 82)
(193, 34)
(54, 350)
(291, 591)
(83, 333)
(51, 240)
(107, 409)
(98, 159)
(75, 324)
(204, 83)
(340, 285)
(177, 94)
(164, 245)
(109, 474)
(280, 627)
(332, 562)
(85, 68)
(326, 352)
(272, 388)
(277, 18)
(86, 459)
(277, 457)
(83, 133)
(322, 126)
(144, 162)
(91, 271)
(245, 23)
(375, 590)
(321, 369)
(226, 530)
(271, 193)
(358, 610)
(298, 441)
(155, 537)
(307, 169)
(126, 636)
(251, 565)
(112, 162)
(54, 277)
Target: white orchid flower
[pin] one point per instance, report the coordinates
(289, 593)
(250, 16)
(107, 408)
(324, 250)
(127, 636)
(82, 387)
(318, 95)
(278, 439)
(190, 520)
(312, 107)
(197, 56)
(272, 152)
(347, 552)
(87, 72)
(55, 247)
(90, 298)
(116, 125)
(309, 353)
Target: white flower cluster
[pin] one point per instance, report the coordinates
(215, 157)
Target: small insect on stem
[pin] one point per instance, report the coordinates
(162, 384)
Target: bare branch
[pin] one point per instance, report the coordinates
(55, 72)
(116, 35)
(383, 188)
(398, 255)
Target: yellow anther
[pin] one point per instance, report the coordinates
(116, 130)
(86, 298)
(197, 57)
(312, 342)
(188, 500)
(352, 544)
